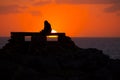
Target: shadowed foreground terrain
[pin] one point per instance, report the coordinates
(55, 61)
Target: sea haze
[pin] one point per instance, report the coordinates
(109, 46)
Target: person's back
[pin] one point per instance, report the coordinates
(47, 28)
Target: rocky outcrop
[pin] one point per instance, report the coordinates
(55, 61)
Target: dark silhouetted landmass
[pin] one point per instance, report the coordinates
(40, 59)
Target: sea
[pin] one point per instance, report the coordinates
(109, 46)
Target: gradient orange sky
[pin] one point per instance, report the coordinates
(77, 18)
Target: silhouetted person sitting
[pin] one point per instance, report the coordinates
(47, 28)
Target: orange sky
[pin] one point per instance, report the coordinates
(76, 20)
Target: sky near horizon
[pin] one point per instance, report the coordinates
(77, 18)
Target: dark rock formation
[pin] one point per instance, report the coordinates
(56, 62)
(40, 59)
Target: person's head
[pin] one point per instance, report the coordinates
(45, 21)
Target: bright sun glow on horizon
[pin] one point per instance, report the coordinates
(53, 31)
(53, 36)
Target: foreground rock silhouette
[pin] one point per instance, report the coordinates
(40, 59)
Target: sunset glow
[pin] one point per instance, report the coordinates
(75, 18)
(52, 36)
(53, 31)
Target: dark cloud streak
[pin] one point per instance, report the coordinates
(11, 9)
(88, 1)
(114, 8)
(42, 3)
(35, 13)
